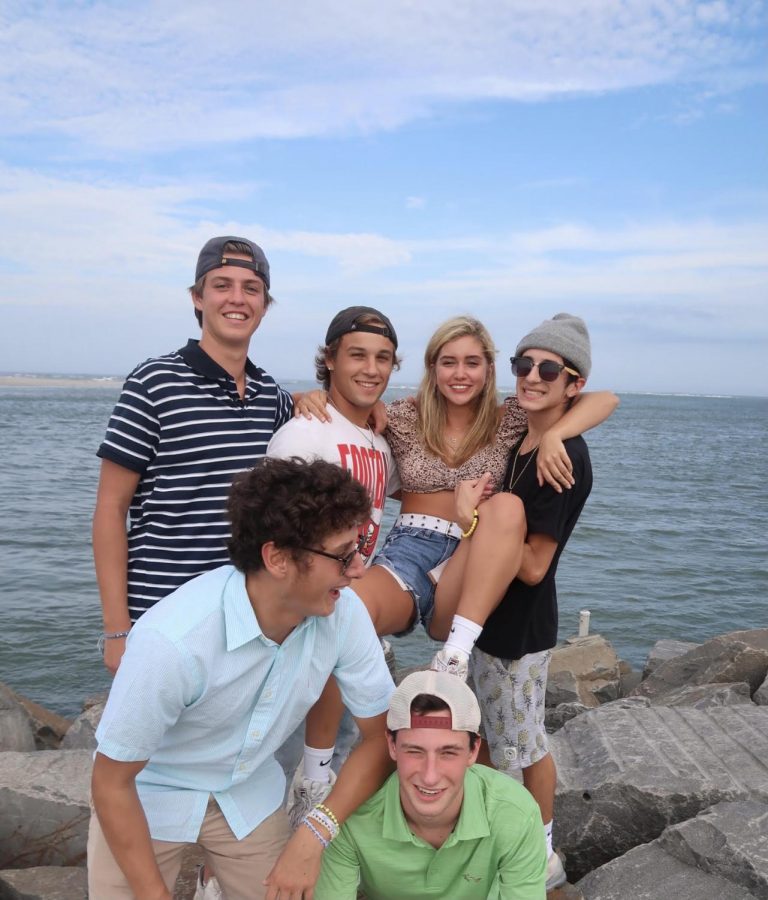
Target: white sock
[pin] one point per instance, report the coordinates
(463, 635)
(317, 763)
(548, 836)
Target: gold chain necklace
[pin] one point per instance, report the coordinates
(368, 437)
(512, 481)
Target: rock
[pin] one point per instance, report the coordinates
(625, 774)
(583, 670)
(626, 703)
(44, 883)
(566, 892)
(737, 656)
(761, 694)
(729, 839)
(44, 808)
(702, 696)
(664, 650)
(94, 699)
(82, 734)
(49, 727)
(647, 872)
(628, 679)
(722, 854)
(16, 731)
(556, 717)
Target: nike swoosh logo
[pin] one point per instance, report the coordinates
(325, 763)
(453, 630)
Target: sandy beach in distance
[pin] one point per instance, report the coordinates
(59, 381)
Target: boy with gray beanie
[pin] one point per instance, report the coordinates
(506, 621)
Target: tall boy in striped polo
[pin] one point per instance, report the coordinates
(184, 425)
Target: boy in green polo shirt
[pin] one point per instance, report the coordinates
(440, 826)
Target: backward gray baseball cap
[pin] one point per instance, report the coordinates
(565, 335)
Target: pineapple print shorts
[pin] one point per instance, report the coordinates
(511, 694)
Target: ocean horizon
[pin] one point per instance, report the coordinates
(54, 379)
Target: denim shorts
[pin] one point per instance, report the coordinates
(409, 553)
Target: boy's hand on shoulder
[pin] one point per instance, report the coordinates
(311, 403)
(553, 465)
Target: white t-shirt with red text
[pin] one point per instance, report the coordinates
(364, 454)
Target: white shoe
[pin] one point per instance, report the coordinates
(453, 661)
(305, 794)
(208, 891)
(556, 876)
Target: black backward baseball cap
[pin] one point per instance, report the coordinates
(212, 256)
(346, 322)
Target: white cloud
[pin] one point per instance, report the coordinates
(103, 250)
(415, 202)
(164, 74)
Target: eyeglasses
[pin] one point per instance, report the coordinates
(346, 561)
(549, 370)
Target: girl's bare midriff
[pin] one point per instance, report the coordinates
(440, 503)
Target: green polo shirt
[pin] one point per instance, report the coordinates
(496, 850)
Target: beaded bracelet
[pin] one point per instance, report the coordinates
(320, 817)
(329, 812)
(471, 530)
(323, 841)
(108, 636)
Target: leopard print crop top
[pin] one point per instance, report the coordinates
(423, 473)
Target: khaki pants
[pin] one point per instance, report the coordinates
(239, 866)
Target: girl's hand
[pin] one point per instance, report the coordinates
(468, 495)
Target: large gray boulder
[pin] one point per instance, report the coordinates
(702, 696)
(729, 658)
(664, 650)
(583, 670)
(16, 731)
(44, 808)
(761, 694)
(49, 727)
(556, 716)
(624, 774)
(722, 854)
(82, 733)
(44, 883)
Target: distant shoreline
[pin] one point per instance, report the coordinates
(47, 381)
(116, 381)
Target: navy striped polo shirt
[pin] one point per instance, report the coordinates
(182, 425)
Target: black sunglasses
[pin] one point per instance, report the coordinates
(549, 370)
(346, 560)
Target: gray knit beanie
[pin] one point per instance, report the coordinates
(565, 335)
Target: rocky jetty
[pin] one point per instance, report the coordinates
(662, 777)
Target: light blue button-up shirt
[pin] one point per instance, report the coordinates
(205, 697)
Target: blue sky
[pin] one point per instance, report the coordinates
(508, 159)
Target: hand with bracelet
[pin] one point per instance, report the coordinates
(111, 646)
(298, 867)
(468, 495)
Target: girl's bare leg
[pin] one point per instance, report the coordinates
(483, 566)
(391, 610)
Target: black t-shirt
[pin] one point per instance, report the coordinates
(526, 619)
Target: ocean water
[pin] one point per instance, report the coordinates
(672, 542)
